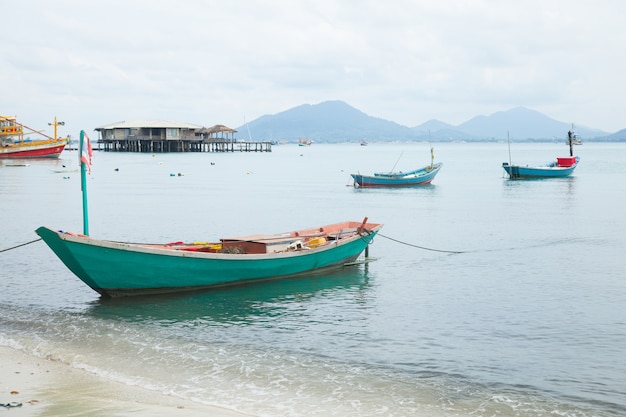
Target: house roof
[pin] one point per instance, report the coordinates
(218, 129)
(148, 124)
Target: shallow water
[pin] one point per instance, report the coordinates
(528, 320)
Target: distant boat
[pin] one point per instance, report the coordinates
(561, 167)
(13, 144)
(116, 269)
(363, 142)
(576, 140)
(304, 142)
(420, 176)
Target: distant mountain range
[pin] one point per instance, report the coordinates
(337, 121)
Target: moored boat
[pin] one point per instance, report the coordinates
(116, 269)
(14, 145)
(561, 167)
(420, 176)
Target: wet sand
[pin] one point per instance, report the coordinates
(49, 388)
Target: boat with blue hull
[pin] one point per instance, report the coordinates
(421, 176)
(116, 269)
(561, 167)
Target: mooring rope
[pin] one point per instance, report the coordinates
(379, 234)
(420, 247)
(20, 245)
(365, 230)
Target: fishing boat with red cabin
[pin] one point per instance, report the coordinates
(15, 141)
(561, 167)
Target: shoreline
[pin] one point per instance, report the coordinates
(47, 388)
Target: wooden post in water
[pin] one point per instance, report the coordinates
(570, 139)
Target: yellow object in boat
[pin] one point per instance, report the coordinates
(316, 241)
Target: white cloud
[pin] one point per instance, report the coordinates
(210, 62)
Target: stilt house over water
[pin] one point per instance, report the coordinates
(167, 136)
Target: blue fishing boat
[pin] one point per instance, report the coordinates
(420, 176)
(561, 167)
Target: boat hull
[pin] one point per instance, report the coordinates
(423, 176)
(548, 171)
(116, 269)
(38, 149)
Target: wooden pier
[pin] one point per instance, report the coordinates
(150, 145)
(158, 136)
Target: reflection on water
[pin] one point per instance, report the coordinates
(542, 186)
(522, 182)
(237, 304)
(427, 189)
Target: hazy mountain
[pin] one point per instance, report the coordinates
(521, 124)
(330, 121)
(336, 121)
(619, 136)
(437, 130)
(433, 125)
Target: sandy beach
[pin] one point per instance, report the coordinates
(48, 388)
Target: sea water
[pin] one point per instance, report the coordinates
(482, 296)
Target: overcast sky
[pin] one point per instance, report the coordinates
(210, 62)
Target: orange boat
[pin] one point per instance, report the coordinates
(13, 144)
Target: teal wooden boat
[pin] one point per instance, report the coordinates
(116, 269)
(420, 176)
(561, 167)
